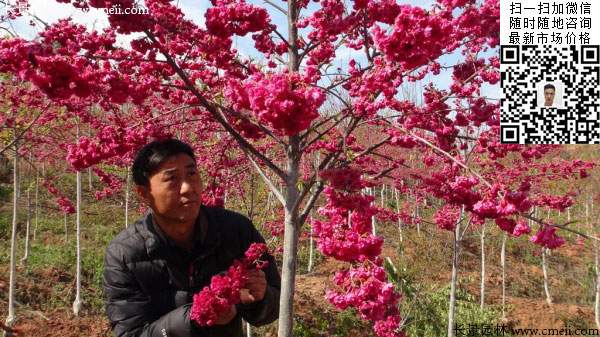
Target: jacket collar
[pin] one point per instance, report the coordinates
(154, 237)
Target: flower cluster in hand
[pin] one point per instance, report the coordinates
(224, 290)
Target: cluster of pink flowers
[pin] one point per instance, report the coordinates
(447, 217)
(547, 237)
(555, 202)
(14, 9)
(283, 101)
(110, 142)
(345, 234)
(414, 24)
(213, 195)
(366, 289)
(229, 18)
(224, 290)
(66, 206)
(112, 182)
(521, 228)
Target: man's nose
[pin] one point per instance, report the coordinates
(186, 187)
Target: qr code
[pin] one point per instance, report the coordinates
(550, 94)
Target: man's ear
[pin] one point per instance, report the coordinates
(142, 193)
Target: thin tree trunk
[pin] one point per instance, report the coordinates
(127, 197)
(503, 264)
(28, 222)
(544, 269)
(90, 187)
(27, 226)
(310, 248)
(596, 267)
(397, 196)
(597, 299)
(77, 302)
(35, 226)
(454, 279)
(373, 221)
(10, 319)
(416, 215)
(66, 230)
(291, 232)
(482, 287)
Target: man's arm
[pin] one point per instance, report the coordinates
(266, 310)
(129, 309)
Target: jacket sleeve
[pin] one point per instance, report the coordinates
(130, 310)
(266, 310)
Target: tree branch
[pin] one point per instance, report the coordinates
(213, 111)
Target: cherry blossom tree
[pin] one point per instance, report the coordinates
(282, 108)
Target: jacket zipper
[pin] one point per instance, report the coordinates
(191, 275)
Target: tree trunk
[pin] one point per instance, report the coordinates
(503, 264)
(482, 287)
(90, 187)
(397, 196)
(290, 237)
(597, 299)
(10, 319)
(27, 226)
(66, 230)
(596, 267)
(28, 222)
(35, 226)
(373, 221)
(416, 215)
(546, 287)
(127, 197)
(310, 248)
(453, 281)
(77, 302)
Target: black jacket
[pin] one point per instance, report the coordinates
(149, 282)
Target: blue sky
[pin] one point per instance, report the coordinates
(50, 11)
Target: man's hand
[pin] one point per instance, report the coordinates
(226, 317)
(255, 287)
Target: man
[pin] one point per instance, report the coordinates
(154, 267)
(549, 92)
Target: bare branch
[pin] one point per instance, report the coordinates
(268, 181)
(279, 8)
(15, 139)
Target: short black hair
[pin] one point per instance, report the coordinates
(549, 86)
(149, 158)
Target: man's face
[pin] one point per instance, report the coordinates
(174, 189)
(548, 96)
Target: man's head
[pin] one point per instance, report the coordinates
(167, 180)
(549, 92)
